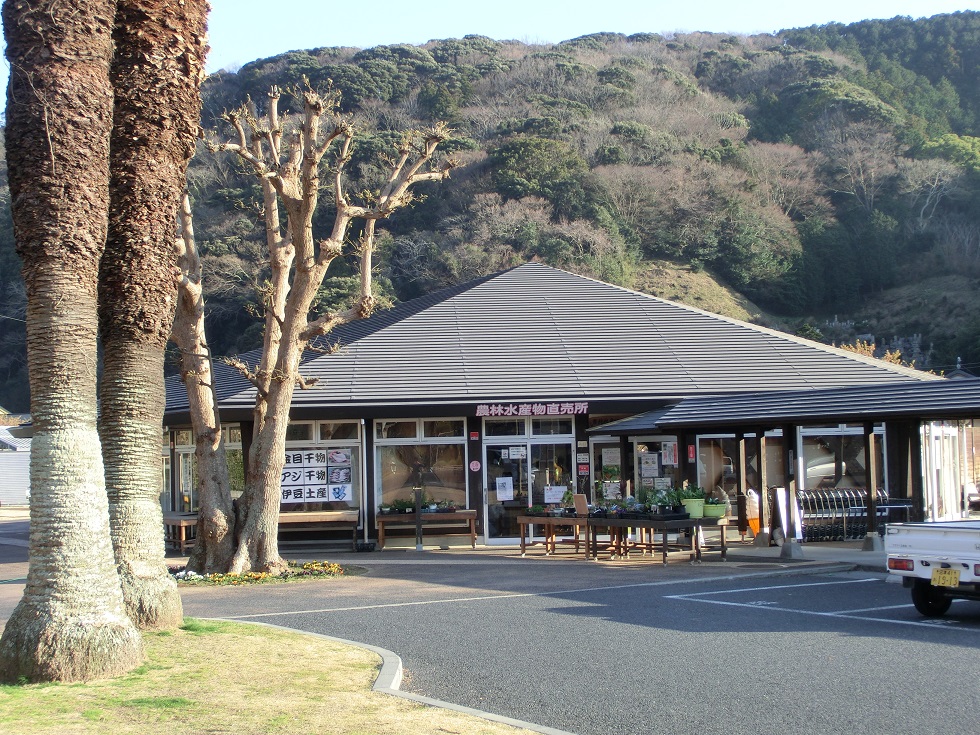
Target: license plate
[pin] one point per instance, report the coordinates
(945, 577)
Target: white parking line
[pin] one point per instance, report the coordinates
(844, 614)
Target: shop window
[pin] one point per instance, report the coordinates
(166, 500)
(551, 427)
(396, 429)
(438, 469)
(442, 429)
(505, 427)
(299, 433)
(233, 434)
(236, 471)
(339, 430)
(836, 459)
(187, 478)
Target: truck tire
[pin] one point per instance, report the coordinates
(929, 600)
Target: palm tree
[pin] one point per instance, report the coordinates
(156, 73)
(71, 623)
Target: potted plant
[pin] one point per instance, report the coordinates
(714, 508)
(692, 498)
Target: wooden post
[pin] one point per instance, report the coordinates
(765, 521)
(872, 541)
(743, 483)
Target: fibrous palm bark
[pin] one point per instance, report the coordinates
(156, 74)
(71, 623)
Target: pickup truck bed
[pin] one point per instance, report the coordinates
(939, 562)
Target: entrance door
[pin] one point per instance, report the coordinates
(551, 473)
(507, 489)
(522, 475)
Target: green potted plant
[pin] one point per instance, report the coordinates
(714, 508)
(692, 498)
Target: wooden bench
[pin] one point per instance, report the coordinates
(430, 521)
(179, 527)
(321, 520)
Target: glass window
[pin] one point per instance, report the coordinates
(548, 427)
(236, 471)
(505, 427)
(338, 430)
(184, 438)
(442, 429)
(233, 434)
(439, 469)
(299, 432)
(187, 492)
(166, 501)
(397, 429)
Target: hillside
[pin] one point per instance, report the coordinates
(827, 176)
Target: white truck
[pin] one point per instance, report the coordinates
(939, 562)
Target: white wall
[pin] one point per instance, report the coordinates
(14, 477)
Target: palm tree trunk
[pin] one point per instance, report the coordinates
(71, 623)
(156, 74)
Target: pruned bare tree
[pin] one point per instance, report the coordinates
(288, 168)
(216, 517)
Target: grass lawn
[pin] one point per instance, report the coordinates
(216, 678)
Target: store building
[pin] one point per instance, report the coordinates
(484, 395)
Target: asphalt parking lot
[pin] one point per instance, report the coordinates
(751, 645)
(627, 648)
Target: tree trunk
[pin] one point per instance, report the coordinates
(216, 517)
(71, 623)
(156, 75)
(258, 544)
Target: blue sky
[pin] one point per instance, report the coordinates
(244, 30)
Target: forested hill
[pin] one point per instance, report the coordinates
(824, 179)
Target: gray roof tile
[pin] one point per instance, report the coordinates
(535, 332)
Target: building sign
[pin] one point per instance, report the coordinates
(317, 476)
(532, 409)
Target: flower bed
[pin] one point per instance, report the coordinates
(308, 570)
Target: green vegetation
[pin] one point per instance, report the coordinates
(796, 178)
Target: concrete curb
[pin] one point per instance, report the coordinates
(390, 678)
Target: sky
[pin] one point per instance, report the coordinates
(244, 30)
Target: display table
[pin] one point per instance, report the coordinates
(550, 524)
(176, 526)
(430, 521)
(620, 545)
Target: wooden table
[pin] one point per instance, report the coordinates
(175, 527)
(429, 520)
(550, 524)
(618, 530)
